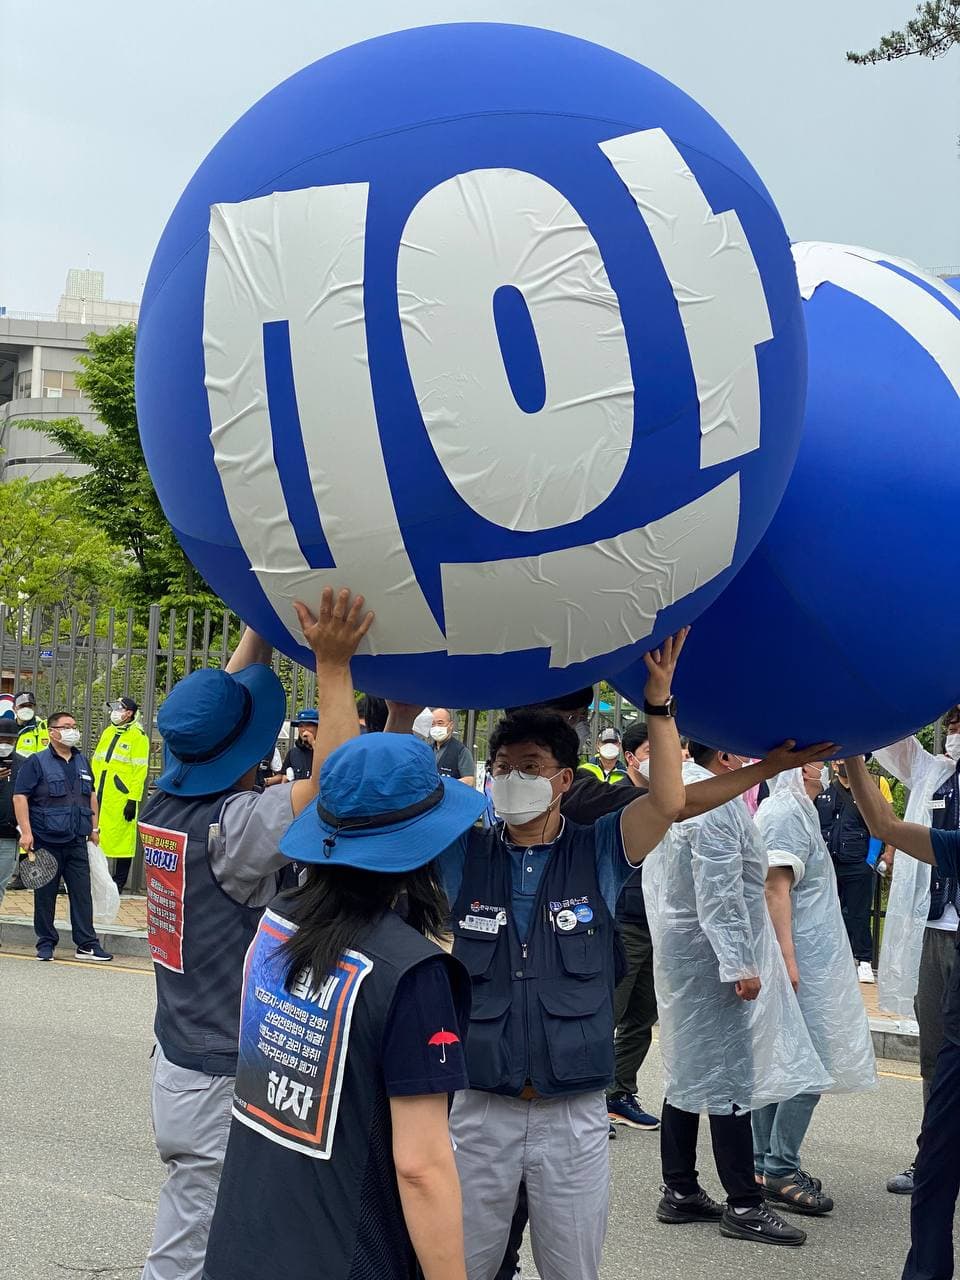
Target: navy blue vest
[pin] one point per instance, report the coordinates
(60, 809)
(199, 970)
(542, 1011)
(946, 816)
(284, 1209)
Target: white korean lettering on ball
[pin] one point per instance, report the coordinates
(298, 256)
(525, 471)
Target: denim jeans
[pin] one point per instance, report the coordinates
(778, 1131)
(8, 860)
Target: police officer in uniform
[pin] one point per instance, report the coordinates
(33, 735)
(120, 766)
(357, 1183)
(606, 765)
(211, 857)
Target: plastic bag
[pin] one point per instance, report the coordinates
(105, 894)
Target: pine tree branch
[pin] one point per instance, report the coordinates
(932, 33)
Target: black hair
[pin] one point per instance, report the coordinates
(335, 905)
(544, 728)
(578, 701)
(58, 715)
(635, 736)
(951, 715)
(373, 711)
(8, 727)
(700, 753)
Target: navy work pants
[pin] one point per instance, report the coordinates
(75, 869)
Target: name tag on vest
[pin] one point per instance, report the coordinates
(938, 804)
(482, 924)
(293, 1043)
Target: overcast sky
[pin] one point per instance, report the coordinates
(107, 108)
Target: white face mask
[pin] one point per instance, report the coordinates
(118, 717)
(609, 751)
(25, 714)
(438, 732)
(518, 800)
(6, 750)
(69, 737)
(952, 746)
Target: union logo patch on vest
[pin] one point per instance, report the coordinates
(293, 1044)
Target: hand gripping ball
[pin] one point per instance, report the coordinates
(488, 323)
(842, 626)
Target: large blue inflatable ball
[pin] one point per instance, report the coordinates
(842, 625)
(490, 324)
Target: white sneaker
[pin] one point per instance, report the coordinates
(865, 971)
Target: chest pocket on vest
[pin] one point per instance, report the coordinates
(581, 952)
(487, 1044)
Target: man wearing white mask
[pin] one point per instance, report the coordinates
(533, 901)
(454, 759)
(607, 765)
(56, 808)
(920, 927)
(32, 735)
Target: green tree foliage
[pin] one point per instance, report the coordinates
(933, 32)
(50, 553)
(116, 494)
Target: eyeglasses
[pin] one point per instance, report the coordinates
(500, 769)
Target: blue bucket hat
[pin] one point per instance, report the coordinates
(383, 807)
(307, 716)
(215, 726)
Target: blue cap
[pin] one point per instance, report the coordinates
(216, 725)
(383, 807)
(307, 716)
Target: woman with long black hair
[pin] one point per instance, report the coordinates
(339, 1163)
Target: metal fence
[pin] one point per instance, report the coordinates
(80, 660)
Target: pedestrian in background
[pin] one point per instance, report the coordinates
(56, 810)
(454, 759)
(848, 840)
(120, 766)
(298, 762)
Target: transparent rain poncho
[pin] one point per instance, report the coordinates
(829, 993)
(909, 900)
(704, 892)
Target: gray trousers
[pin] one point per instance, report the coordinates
(559, 1149)
(936, 964)
(191, 1122)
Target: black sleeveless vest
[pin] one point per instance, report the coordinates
(844, 831)
(198, 935)
(309, 1187)
(542, 1011)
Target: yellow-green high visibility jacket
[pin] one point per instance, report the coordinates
(120, 766)
(615, 775)
(33, 738)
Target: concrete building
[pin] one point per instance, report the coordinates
(38, 368)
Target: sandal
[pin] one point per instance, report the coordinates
(799, 1192)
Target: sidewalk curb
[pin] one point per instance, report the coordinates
(896, 1040)
(120, 941)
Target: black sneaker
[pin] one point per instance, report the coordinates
(44, 953)
(799, 1192)
(760, 1224)
(613, 1132)
(96, 952)
(697, 1207)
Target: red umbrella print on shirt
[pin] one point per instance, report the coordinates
(443, 1038)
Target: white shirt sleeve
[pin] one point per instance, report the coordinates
(244, 854)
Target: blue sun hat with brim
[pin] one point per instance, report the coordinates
(382, 807)
(216, 725)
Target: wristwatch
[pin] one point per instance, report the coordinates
(668, 708)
